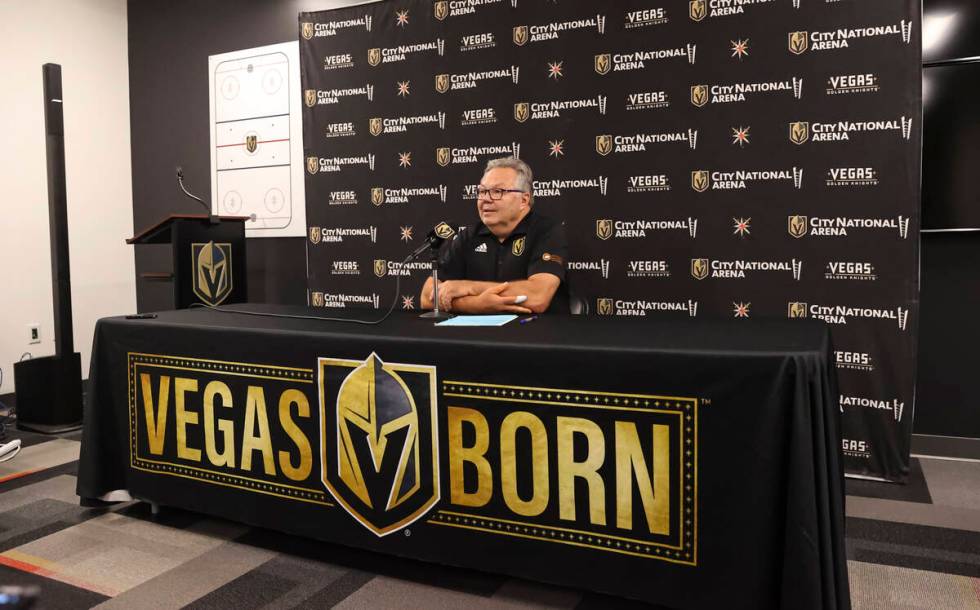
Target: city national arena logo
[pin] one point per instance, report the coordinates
(212, 282)
(524, 34)
(553, 188)
(703, 180)
(310, 30)
(802, 41)
(607, 143)
(379, 451)
(702, 95)
(381, 195)
(334, 235)
(607, 228)
(604, 63)
(384, 268)
(534, 111)
(386, 55)
(322, 165)
(335, 96)
(838, 226)
(617, 307)
(842, 314)
(472, 154)
(381, 125)
(703, 268)
(443, 9)
(470, 80)
(699, 10)
(801, 132)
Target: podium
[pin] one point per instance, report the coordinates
(208, 258)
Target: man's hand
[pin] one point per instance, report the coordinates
(490, 300)
(452, 289)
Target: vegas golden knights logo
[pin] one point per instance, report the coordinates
(799, 42)
(799, 132)
(307, 30)
(604, 307)
(316, 299)
(444, 231)
(442, 83)
(698, 10)
(377, 196)
(212, 272)
(312, 164)
(517, 247)
(310, 97)
(522, 111)
(603, 145)
(603, 63)
(796, 310)
(441, 9)
(520, 35)
(379, 455)
(443, 157)
(699, 95)
(796, 225)
(604, 228)
(700, 180)
(699, 268)
(375, 126)
(380, 267)
(315, 235)
(251, 143)
(374, 56)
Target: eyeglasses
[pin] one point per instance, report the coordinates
(494, 194)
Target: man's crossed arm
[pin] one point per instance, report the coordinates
(468, 296)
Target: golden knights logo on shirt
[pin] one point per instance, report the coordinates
(379, 452)
(212, 272)
(517, 247)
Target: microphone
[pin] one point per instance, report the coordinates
(180, 183)
(439, 233)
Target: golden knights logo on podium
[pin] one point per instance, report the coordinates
(379, 454)
(212, 272)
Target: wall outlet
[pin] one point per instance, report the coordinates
(35, 333)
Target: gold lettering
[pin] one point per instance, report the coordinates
(569, 469)
(255, 408)
(301, 472)
(226, 426)
(538, 463)
(459, 455)
(185, 418)
(156, 419)
(630, 465)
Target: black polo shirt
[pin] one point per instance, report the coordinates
(536, 245)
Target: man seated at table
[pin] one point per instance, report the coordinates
(513, 260)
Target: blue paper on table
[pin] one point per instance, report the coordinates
(478, 320)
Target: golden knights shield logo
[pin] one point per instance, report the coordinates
(604, 307)
(796, 310)
(799, 42)
(441, 9)
(799, 132)
(796, 225)
(699, 95)
(517, 247)
(443, 157)
(700, 180)
(306, 30)
(309, 96)
(444, 231)
(603, 62)
(315, 235)
(313, 164)
(377, 195)
(212, 272)
(699, 268)
(604, 228)
(442, 83)
(374, 56)
(380, 267)
(698, 10)
(520, 35)
(379, 455)
(251, 143)
(375, 126)
(522, 111)
(603, 145)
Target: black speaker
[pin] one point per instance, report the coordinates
(49, 389)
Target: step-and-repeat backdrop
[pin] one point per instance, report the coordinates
(736, 158)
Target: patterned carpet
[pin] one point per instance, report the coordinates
(909, 547)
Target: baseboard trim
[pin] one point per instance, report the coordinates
(946, 446)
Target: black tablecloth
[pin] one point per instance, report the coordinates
(749, 411)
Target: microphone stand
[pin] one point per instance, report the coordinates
(435, 314)
(180, 182)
